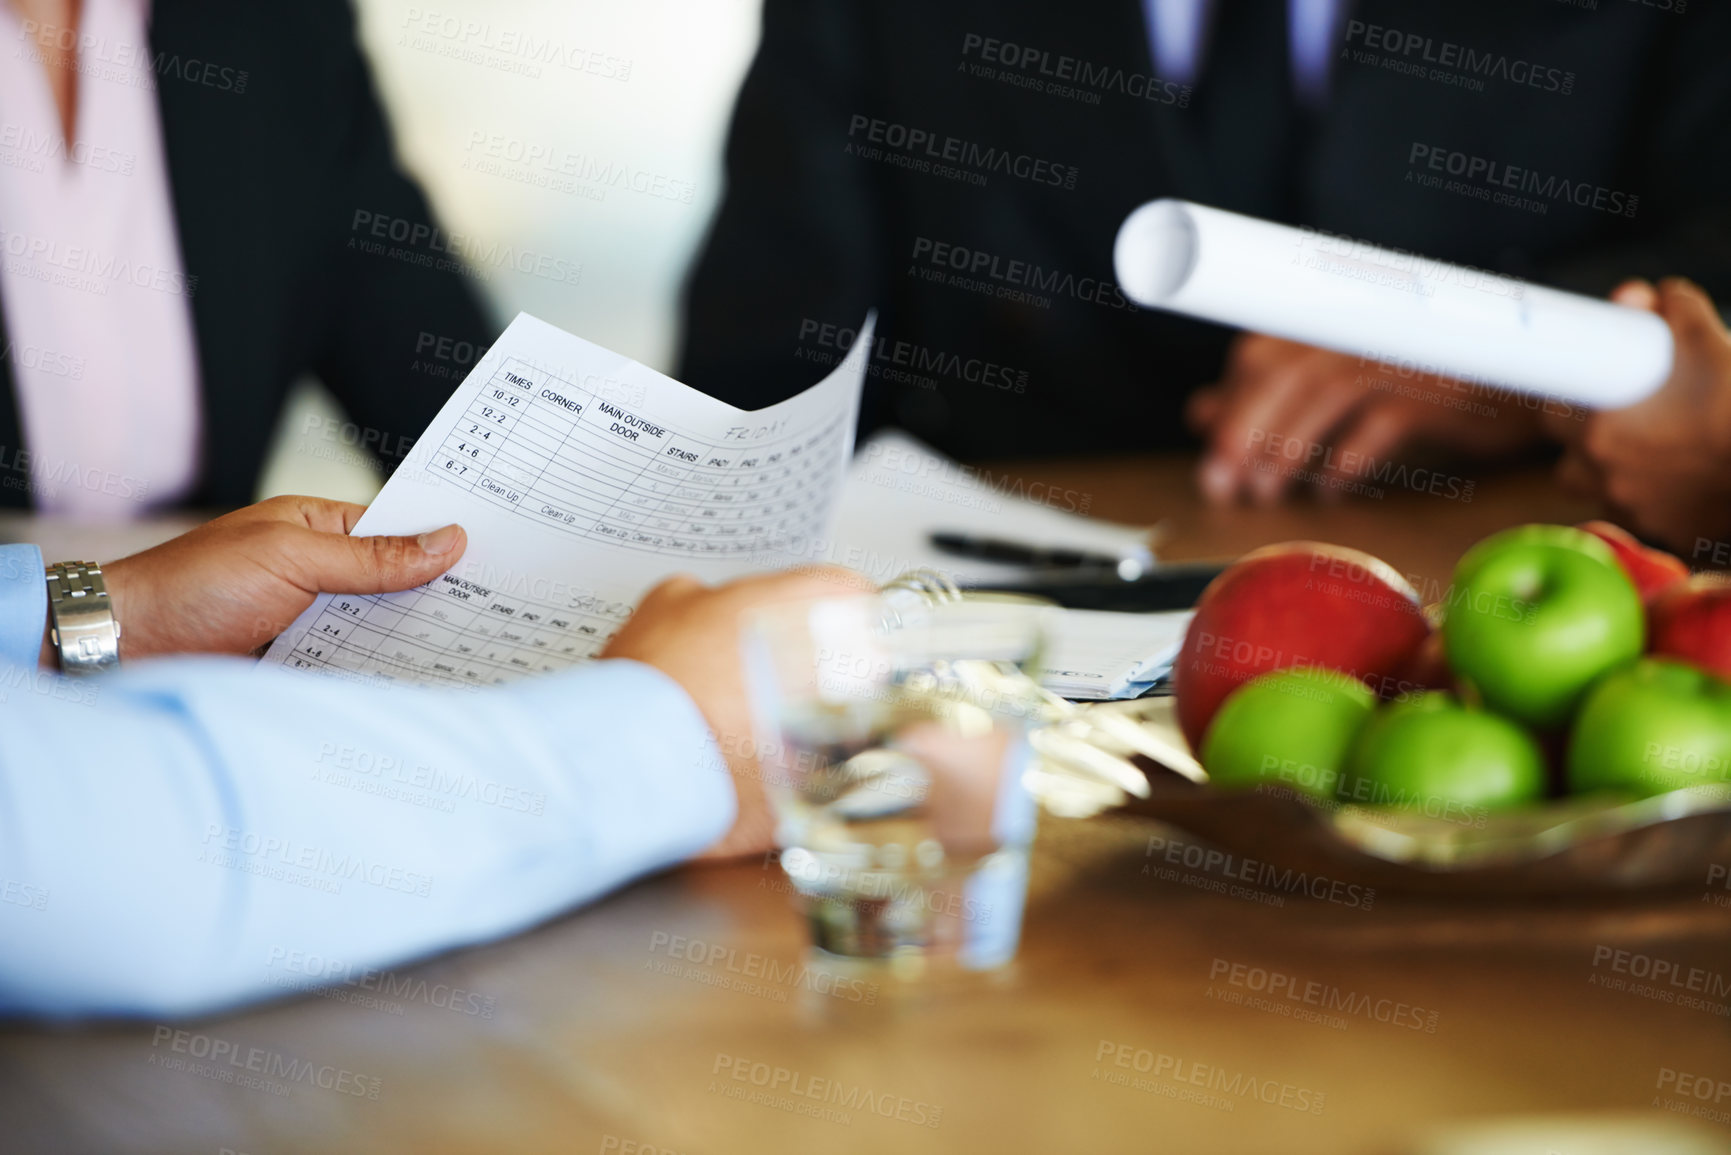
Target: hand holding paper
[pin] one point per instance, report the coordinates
(582, 478)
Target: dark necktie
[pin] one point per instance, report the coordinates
(1249, 129)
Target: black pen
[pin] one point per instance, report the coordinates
(1020, 553)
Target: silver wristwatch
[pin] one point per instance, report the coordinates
(81, 618)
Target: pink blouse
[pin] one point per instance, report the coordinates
(98, 309)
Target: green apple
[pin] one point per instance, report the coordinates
(1289, 728)
(1432, 754)
(1536, 615)
(1651, 727)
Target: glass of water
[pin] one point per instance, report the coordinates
(892, 739)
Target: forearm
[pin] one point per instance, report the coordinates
(219, 821)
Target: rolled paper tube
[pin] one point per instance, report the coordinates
(1390, 307)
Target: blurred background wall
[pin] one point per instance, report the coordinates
(586, 135)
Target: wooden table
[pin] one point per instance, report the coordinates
(589, 1035)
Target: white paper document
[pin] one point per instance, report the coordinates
(900, 491)
(1395, 308)
(582, 479)
(1098, 654)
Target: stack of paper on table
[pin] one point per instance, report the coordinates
(1096, 654)
(899, 492)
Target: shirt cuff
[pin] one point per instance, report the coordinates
(23, 605)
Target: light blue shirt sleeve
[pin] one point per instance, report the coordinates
(191, 834)
(23, 605)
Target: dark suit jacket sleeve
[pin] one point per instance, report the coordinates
(386, 315)
(798, 236)
(1680, 165)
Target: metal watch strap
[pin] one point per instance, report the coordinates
(81, 618)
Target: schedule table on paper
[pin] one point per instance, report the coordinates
(540, 447)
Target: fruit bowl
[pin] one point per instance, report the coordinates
(1353, 734)
(1579, 845)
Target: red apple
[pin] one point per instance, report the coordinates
(1652, 570)
(1692, 621)
(1296, 604)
